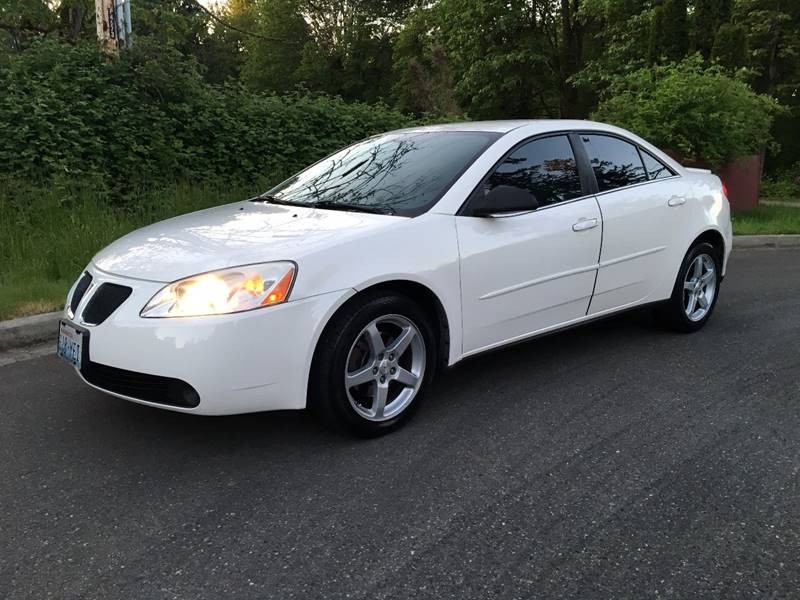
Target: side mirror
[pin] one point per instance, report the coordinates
(504, 199)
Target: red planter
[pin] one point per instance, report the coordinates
(742, 177)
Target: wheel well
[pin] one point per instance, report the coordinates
(426, 299)
(714, 238)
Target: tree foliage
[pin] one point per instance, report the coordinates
(438, 58)
(669, 32)
(272, 62)
(695, 110)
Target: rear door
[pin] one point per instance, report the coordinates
(527, 272)
(642, 208)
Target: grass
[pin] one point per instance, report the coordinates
(767, 219)
(794, 202)
(48, 235)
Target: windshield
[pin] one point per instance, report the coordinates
(395, 173)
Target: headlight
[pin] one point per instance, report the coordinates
(222, 292)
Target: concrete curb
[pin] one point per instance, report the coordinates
(766, 241)
(27, 331)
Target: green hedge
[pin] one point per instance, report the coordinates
(147, 119)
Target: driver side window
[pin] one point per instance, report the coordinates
(545, 167)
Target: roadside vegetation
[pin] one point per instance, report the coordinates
(783, 188)
(768, 219)
(50, 234)
(210, 108)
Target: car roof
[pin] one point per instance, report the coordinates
(535, 127)
(508, 125)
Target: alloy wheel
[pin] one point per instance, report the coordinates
(699, 287)
(385, 367)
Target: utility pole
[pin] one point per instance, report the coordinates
(113, 23)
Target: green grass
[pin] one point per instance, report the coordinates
(767, 220)
(792, 202)
(48, 235)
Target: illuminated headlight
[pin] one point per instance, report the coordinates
(226, 291)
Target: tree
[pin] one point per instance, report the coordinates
(21, 21)
(503, 56)
(351, 53)
(709, 16)
(773, 33)
(669, 35)
(570, 57)
(623, 29)
(273, 60)
(731, 49)
(424, 82)
(195, 31)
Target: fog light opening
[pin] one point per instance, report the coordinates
(180, 393)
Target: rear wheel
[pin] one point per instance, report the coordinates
(696, 290)
(372, 364)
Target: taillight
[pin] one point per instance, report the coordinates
(724, 190)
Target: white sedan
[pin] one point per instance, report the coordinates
(347, 286)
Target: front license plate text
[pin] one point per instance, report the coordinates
(70, 344)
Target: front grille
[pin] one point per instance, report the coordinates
(80, 289)
(105, 301)
(152, 388)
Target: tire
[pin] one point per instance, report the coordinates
(682, 312)
(398, 374)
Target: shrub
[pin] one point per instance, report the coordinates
(700, 112)
(147, 118)
(784, 186)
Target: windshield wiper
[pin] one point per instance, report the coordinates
(333, 205)
(329, 204)
(274, 200)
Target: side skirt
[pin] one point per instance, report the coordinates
(560, 329)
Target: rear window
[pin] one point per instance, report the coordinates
(654, 167)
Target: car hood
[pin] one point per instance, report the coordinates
(231, 235)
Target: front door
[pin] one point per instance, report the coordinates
(524, 273)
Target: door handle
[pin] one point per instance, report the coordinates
(677, 200)
(584, 224)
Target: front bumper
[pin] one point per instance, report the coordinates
(246, 362)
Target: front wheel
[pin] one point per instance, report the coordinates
(372, 364)
(696, 290)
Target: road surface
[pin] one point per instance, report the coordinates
(612, 461)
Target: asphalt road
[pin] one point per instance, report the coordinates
(615, 460)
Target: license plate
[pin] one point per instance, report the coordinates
(70, 344)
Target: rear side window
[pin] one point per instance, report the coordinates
(545, 167)
(616, 163)
(655, 168)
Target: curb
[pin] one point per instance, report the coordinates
(766, 241)
(28, 331)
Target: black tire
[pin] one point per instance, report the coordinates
(327, 393)
(672, 313)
